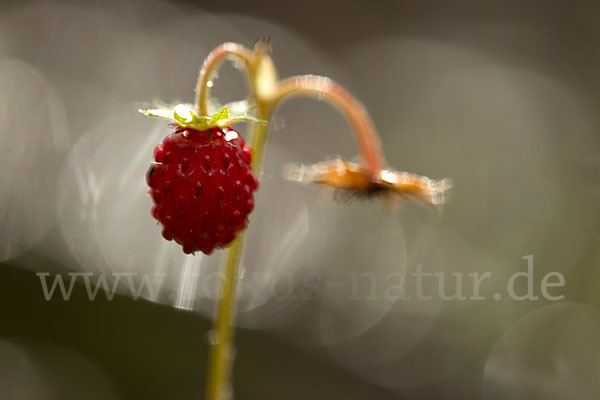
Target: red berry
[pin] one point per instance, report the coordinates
(202, 187)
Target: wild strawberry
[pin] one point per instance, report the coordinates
(202, 187)
(201, 181)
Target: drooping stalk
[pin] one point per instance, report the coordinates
(266, 93)
(326, 89)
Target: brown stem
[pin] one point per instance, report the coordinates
(326, 89)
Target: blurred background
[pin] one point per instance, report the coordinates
(501, 96)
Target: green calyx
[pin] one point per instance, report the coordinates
(184, 115)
